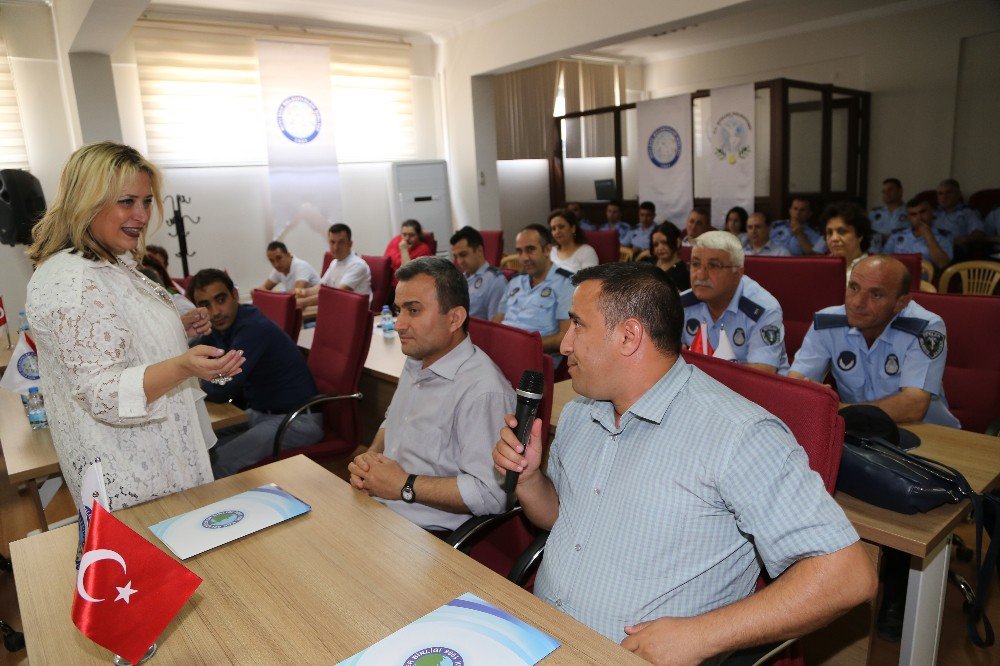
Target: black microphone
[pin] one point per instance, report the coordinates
(529, 395)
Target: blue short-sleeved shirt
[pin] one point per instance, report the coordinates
(486, 287)
(781, 234)
(587, 225)
(770, 249)
(752, 321)
(885, 220)
(960, 221)
(665, 514)
(992, 223)
(538, 308)
(911, 351)
(638, 237)
(903, 241)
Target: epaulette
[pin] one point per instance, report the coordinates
(899, 229)
(911, 325)
(688, 299)
(750, 309)
(565, 273)
(821, 321)
(494, 270)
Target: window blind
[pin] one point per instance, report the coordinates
(13, 153)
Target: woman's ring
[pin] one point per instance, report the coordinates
(220, 380)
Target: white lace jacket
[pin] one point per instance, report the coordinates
(97, 327)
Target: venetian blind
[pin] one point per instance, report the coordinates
(13, 154)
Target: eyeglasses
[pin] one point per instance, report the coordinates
(711, 267)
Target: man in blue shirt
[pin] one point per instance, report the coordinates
(638, 239)
(795, 233)
(538, 299)
(922, 235)
(663, 488)
(486, 283)
(275, 379)
(882, 348)
(758, 242)
(892, 213)
(963, 222)
(613, 214)
(723, 298)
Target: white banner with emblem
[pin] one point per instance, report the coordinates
(665, 172)
(301, 150)
(729, 142)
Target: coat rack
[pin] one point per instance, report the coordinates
(177, 221)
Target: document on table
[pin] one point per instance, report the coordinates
(466, 630)
(218, 523)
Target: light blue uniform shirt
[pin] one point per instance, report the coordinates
(884, 221)
(992, 223)
(656, 515)
(538, 308)
(752, 321)
(781, 233)
(911, 351)
(486, 287)
(587, 225)
(638, 238)
(904, 241)
(961, 221)
(770, 249)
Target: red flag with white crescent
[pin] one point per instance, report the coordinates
(127, 589)
(701, 343)
(3, 313)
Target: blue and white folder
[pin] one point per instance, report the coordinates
(466, 630)
(206, 528)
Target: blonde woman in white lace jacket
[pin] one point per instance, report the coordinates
(116, 372)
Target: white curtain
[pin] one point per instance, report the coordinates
(665, 157)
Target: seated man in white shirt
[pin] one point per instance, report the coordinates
(758, 242)
(347, 271)
(289, 272)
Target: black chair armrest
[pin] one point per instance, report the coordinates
(993, 429)
(468, 533)
(292, 415)
(528, 561)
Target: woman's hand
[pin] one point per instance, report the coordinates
(208, 363)
(196, 323)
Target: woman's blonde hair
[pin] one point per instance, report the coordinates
(93, 178)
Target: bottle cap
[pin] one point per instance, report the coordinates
(33, 389)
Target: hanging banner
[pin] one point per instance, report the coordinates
(301, 152)
(665, 172)
(729, 141)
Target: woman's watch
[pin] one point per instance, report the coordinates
(407, 494)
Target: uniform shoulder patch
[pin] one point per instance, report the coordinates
(823, 321)
(932, 343)
(688, 299)
(493, 270)
(565, 273)
(750, 309)
(911, 325)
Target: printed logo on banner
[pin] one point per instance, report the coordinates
(731, 137)
(664, 147)
(222, 519)
(299, 119)
(435, 656)
(27, 365)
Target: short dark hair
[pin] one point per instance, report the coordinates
(741, 212)
(641, 291)
(614, 202)
(703, 212)
(277, 245)
(207, 276)
(853, 216)
(413, 224)
(895, 181)
(159, 251)
(542, 230)
(340, 228)
(950, 182)
(916, 202)
(571, 220)
(451, 286)
(471, 236)
(648, 205)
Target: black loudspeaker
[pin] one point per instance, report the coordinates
(21, 205)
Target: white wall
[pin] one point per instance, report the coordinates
(524, 196)
(910, 64)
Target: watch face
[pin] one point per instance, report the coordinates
(407, 494)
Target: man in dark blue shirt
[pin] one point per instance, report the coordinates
(275, 379)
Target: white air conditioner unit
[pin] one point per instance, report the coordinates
(421, 194)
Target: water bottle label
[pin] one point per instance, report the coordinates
(37, 417)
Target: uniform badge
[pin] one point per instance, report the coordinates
(546, 292)
(739, 337)
(478, 283)
(932, 343)
(770, 334)
(514, 290)
(691, 326)
(892, 364)
(846, 360)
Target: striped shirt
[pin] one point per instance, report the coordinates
(660, 515)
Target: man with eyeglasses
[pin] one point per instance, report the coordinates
(725, 299)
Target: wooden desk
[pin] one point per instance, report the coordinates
(924, 536)
(30, 455)
(316, 589)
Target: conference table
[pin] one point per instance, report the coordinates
(30, 455)
(316, 589)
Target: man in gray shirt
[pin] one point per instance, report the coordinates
(431, 460)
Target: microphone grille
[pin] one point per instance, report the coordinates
(532, 381)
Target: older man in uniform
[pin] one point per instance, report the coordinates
(660, 508)
(758, 242)
(723, 298)
(922, 235)
(486, 283)
(539, 298)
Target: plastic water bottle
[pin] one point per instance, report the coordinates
(22, 321)
(387, 327)
(36, 410)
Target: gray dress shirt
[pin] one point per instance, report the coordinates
(444, 421)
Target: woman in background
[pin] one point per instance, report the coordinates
(118, 377)
(848, 232)
(665, 241)
(736, 223)
(569, 249)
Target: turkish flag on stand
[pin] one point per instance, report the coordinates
(701, 343)
(3, 313)
(127, 589)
